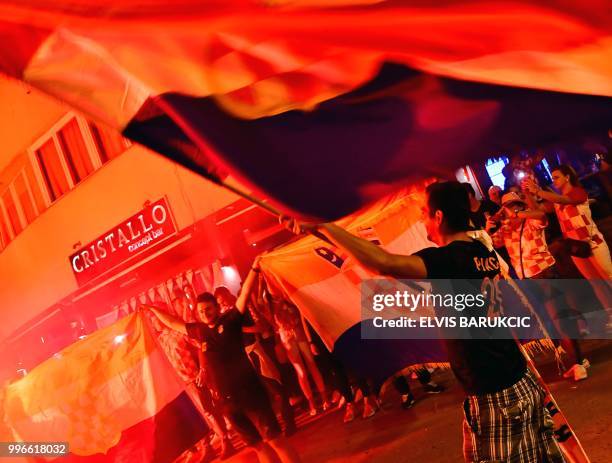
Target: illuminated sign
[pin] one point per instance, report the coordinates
(131, 237)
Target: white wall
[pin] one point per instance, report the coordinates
(34, 268)
(24, 115)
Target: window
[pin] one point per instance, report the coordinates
(24, 198)
(17, 206)
(75, 151)
(68, 153)
(5, 237)
(52, 170)
(72, 151)
(35, 188)
(109, 143)
(494, 169)
(11, 212)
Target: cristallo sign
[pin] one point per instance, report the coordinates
(130, 238)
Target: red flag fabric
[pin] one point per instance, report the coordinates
(111, 397)
(238, 86)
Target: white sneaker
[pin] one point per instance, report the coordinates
(349, 414)
(580, 373)
(577, 372)
(368, 408)
(586, 363)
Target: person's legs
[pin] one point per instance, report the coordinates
(243, 425)
(601, 260)
(266, 454)
(279, 396)
(429, 386)
(341, 380)
(311, 364)
(290, 381)
(564, 329)
(343, 385)
(274, 447)
(586, 267)
(423, 375)
(566, 326)
(284, 450)
(208, 454)
(591, 269)
(293, 354)
(215, 420)
(401, 385)
(566, 322)
(279, 390)
(370, 399)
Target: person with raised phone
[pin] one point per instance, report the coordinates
(243, 398)
(505, 416)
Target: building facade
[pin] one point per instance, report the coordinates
(92, 225)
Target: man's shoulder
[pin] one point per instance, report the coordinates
(429, 250)
(458, 246)
(434, 259)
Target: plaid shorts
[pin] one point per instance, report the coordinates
(510, 426)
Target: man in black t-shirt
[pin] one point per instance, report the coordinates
(229, 372)
(505, 417)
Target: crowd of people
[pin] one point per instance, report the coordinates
(250, 362)
(517, 221)
(248, 359)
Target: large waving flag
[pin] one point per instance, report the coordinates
(325, 283)
(324, 106)
(113, 397)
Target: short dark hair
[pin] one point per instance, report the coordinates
(568, 171)
(469, 189)
(451, 198)
(206, 297)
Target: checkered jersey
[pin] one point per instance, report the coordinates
(576, 223)
(181, 352)
(536, 256)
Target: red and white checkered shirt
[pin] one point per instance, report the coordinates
(535, 254)
(576, 221)
(181, 352)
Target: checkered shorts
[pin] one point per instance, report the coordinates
(510, 426)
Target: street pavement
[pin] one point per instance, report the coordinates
(431, 430)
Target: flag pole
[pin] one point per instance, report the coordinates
(265, 206)
(249, 197)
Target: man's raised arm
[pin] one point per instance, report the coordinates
(248, 286)
(170, 321)
(374, 257)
